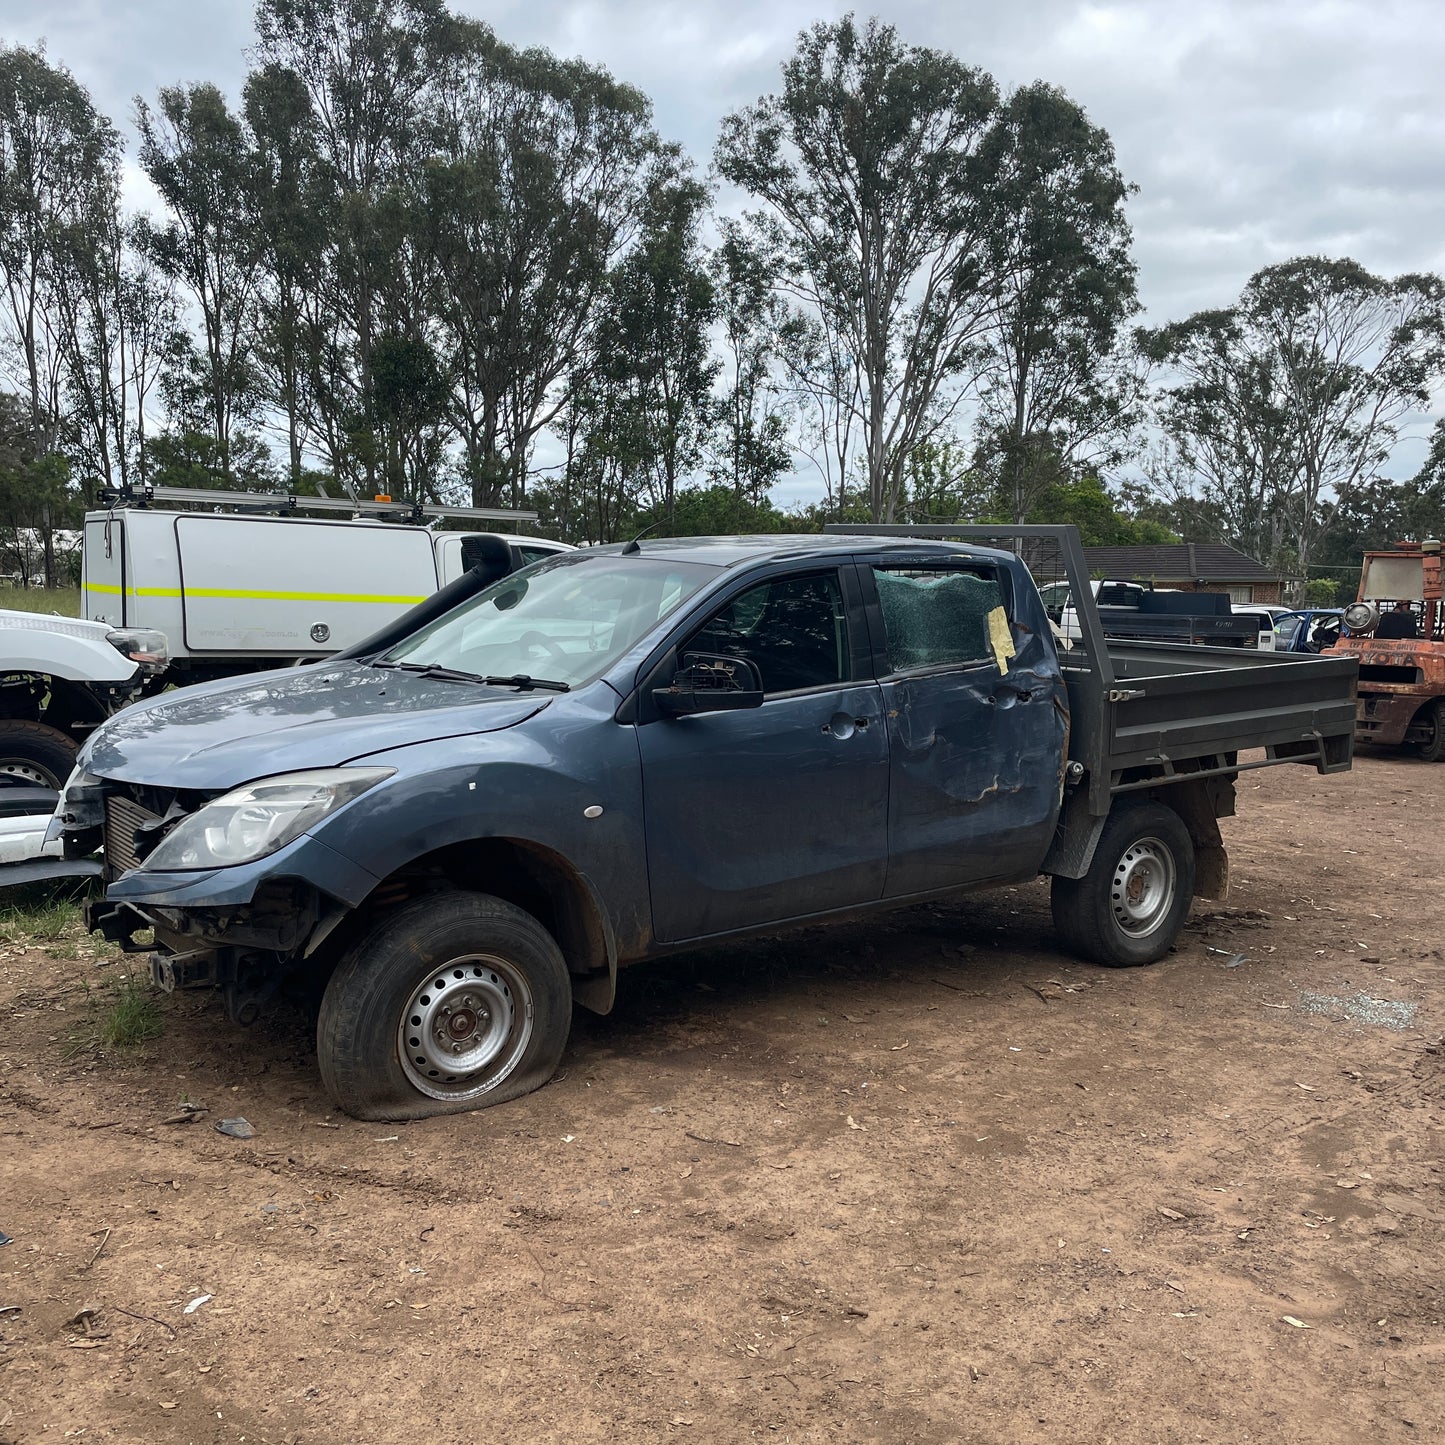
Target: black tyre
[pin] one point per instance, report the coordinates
(1432, 716)
(1129, 907)
(454, 1002)
(33, 755)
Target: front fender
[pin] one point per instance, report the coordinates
(532, 784)
(50, 653)
(568, 781)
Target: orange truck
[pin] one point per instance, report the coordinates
(1402, 677)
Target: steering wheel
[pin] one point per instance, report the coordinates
(551, 648)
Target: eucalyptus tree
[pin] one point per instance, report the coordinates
(294, 216)
(1358, 353)
(57, 155)
(875, 178)
(1058, 384)
(749, 450)
(1223, 405)
(824, 389)
(89, 305)
(663, 305)
(366, 67)
(33, 493)
(1298, 391)
(199, 157)
(533, 192)
(151, 328)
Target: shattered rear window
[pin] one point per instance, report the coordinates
(934, 618)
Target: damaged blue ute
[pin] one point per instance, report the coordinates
(467, 824)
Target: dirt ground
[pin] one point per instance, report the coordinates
(920, 1179)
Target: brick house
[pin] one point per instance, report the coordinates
(1190, 567)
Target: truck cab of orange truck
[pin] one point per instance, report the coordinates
(1402, 679)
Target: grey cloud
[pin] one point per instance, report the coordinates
(1255, 130)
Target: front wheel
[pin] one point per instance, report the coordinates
(34, 755)
(1432, 748)
(455, 1002)
(1129, 907)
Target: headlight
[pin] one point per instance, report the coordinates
(141, 644)
(253, 821)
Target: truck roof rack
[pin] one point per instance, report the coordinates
(285, 503)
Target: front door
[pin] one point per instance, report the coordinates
(778, 812)
(976, 725)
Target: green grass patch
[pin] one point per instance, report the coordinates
(64, 600)
(129, 1014)
(39, 920)
(122, 1014)
(47, 916)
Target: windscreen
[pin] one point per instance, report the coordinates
(565, 620)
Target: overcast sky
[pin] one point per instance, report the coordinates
(1255, 130)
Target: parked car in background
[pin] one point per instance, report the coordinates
(1312, 629)
(1264, 615)
(1134, 610)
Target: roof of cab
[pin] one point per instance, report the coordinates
(767, 547)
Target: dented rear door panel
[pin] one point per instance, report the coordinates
(975, 751)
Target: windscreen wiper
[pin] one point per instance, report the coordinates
(526, 683)
(451, 674)
(432, 669)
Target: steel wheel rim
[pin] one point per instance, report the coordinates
(1142, 893)
(26, 773)
(465, 1027)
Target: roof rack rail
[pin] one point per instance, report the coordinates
(288, 503)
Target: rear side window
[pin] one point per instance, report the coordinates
(1118, 594)
(938, 618)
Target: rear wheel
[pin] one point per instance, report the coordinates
(1432, 716)
(456, 1002)
(1129, 907)
(33, 755)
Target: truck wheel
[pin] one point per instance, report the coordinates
(455, 1002)
(1129, 907)
(1432, 715)
(33, 755)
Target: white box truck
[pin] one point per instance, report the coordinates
(238, 592)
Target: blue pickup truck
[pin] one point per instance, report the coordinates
(467, 824)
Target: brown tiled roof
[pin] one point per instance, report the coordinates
(1177, 562)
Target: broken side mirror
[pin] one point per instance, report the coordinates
(710, 682)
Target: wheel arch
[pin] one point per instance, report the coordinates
(58, 701)
(534, 878)
(73, 704)
(1200, 804)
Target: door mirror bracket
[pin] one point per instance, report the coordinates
(710, 682)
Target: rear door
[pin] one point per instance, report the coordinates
(778, 812)
(102, 569)
(976, 730)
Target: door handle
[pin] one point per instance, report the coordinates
(841, 725)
